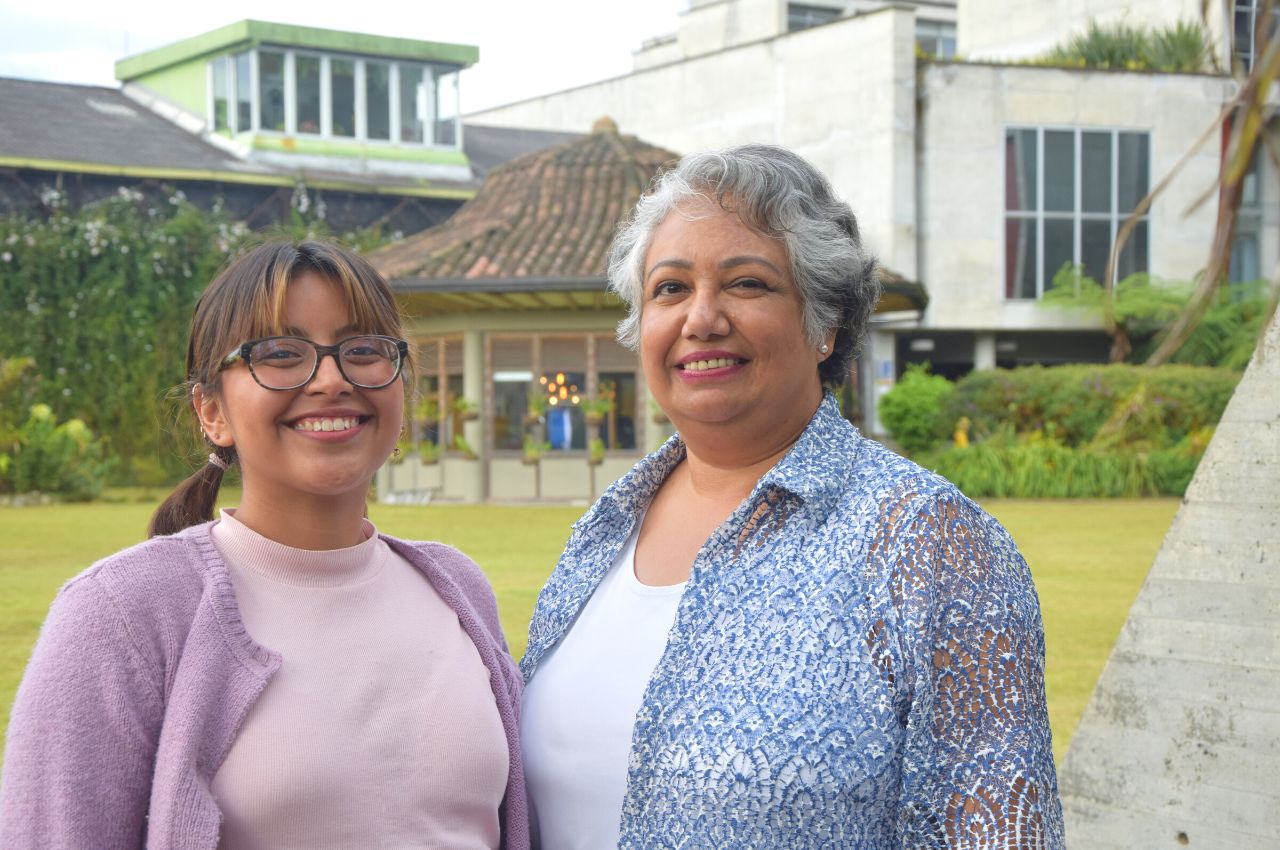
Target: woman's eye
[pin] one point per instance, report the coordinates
(750, 283)
(667, 287)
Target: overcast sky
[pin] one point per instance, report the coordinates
(526, 48)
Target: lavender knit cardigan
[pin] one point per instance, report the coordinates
(140, 680)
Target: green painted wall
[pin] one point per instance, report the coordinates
(357, 150)
(184, 84)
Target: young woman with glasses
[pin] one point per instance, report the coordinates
(281, 675)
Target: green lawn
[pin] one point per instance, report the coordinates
(1089, 559)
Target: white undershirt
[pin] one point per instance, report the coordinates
(580, 707)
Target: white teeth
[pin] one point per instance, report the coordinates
(714, 363)
(340, 423)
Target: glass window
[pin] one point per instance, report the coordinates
(426, 422)
(446, 108)
(342, 74)
(1021, 170)
(1021, 266)
(801, 16)
(244, 93)
(221, 94)
(413, 101)
(936, 38)
(617, 384)
(1059, 171)
(1095, 172)
(564, 379)
(271, 90)
(1246, 260)
(510, 360)
(308, 74)
(451, 418)
(1072, 226)
(377, 100)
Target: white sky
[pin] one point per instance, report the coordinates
(526, 48)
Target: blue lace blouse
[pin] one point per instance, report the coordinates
(857, 662)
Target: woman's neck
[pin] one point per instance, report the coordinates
(331, 522)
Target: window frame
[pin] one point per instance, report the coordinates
(431, 74)
(1077, 216)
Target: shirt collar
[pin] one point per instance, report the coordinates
(815, 468)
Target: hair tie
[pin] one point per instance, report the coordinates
(217, 461)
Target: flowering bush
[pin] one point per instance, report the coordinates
(100, 299)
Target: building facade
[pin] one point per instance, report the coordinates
(980, 178)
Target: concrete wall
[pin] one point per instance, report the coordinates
(842, 94)
(1180, 743)
(1020, 29)
(964, 112)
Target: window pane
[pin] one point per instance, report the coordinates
(619, 428)
(308, 72)
(221, 101)
(1020, 268)
(1059, 171)
(1020, 169)
(342, 81)
(446, 101)
(512, 383)
(1095, 247)
(1133, 170)
(244, 93)
(412, 100)
(426, 427)
(564, 378)
(377, 101)
(1245, 264)
(271, 91)
(1133, 257)
(1095, 172)
(1059, 247)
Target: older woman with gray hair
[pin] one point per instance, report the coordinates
(774, 632)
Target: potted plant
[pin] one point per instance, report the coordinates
(595, 451)
(596, 409)
(428, 411)
(429, 452)
(534, 449)
(536, 407)
(461, 446)
(465, 409)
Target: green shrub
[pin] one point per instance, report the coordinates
(913, 409)
(47, 457)
(1079, 399)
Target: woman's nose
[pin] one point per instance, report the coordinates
(706, 317)
(328, 377)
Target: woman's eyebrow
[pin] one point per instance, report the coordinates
(672, 263)
(748, 259)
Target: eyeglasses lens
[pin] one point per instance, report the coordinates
(288, 362)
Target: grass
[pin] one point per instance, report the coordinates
(1089, 558)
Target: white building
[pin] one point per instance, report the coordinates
(978, 177)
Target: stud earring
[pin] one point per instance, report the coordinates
(824, 348)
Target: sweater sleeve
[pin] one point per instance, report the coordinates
(978, 763)
(83, 733)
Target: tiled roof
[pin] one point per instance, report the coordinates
(549, 215)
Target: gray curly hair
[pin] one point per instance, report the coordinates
(780, 195)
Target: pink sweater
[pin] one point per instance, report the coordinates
(142, 676)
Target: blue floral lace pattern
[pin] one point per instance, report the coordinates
(857, 662)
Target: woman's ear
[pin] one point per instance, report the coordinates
(212, 418)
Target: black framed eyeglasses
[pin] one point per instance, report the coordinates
(288, 362)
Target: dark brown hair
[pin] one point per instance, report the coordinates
(246, 300)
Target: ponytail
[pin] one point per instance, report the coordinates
(191, 503)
